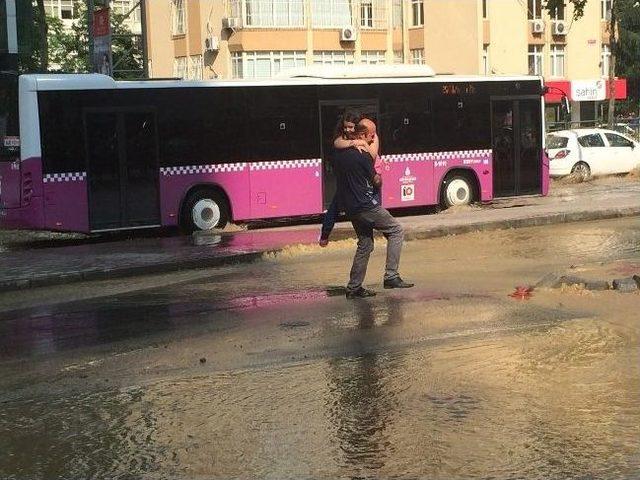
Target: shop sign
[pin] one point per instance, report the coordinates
(588, 90)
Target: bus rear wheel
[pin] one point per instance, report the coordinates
(457, 190)
(204, 210)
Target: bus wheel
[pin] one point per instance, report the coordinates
(204, 210)
(456, 190)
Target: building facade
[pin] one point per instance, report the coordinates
(204, 39)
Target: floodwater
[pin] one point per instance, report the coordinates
(266, 371)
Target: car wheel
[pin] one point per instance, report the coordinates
(582, 171)
(204, 210)
(457, 191)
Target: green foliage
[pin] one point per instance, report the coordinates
(627, 46)
(28, 37)
(578, 7)
(69, 47)
(628, 51)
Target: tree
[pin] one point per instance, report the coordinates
(624, 34)
(65, 49)
(69, 49)
(43, 35)
(628, 49)
(578, 7)
(623, 25)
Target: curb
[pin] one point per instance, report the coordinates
(111, 274)
(534, 221)
(410, 234)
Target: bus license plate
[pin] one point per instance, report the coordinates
(11, 142)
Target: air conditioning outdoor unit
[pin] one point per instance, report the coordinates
(212, 43)
(537, 26)
(231, 22)
(348, 34)
(559, 27)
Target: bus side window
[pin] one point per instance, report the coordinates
(62, 131)
(463, 123)
(201, 126)
(283, 123)
(406, 126)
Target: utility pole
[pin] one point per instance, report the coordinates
(90, 8)
(613, 46)
(145, 46)
(12, 27)
(9, 34)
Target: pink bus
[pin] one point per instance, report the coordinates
(85, 153)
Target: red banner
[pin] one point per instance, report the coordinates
(554, 95)
(101, 24)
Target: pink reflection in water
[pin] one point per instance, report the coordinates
(277, 299)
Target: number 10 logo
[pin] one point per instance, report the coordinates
(407, 193)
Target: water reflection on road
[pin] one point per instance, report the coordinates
(441, 412)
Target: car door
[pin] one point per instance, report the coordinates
(593, 152)
(623, 153)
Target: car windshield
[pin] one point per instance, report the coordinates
(591, 140)
(555, 141)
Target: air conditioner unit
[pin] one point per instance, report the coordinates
(559, 27)
(537, 26)
(231, 22)
(212, 43)
(348, 34)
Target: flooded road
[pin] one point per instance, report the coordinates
(267, 371)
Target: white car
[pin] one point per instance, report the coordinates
(591, 151)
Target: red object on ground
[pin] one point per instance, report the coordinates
(522, 293)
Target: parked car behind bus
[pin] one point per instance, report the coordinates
(591, 151)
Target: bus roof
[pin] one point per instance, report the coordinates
(359, 71)
(95, 81)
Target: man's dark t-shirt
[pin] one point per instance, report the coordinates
(354, 172)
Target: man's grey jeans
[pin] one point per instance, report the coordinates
(364, 224)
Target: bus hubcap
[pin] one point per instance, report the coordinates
(458, 192)
(205, 214)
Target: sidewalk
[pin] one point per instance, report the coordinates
(57, 265)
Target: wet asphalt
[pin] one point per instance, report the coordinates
(266, 370)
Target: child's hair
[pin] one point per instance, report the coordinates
(350, 116)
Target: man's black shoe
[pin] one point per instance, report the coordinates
(397, 283)
(360, 293)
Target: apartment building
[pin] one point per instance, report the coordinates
(203, 39)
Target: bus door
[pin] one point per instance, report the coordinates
(516, 133)
(10, 175)
(122, 168)
(330, 116)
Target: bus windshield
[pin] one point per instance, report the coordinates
(9, 125)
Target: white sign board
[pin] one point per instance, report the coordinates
(407, 192)
(588, 90)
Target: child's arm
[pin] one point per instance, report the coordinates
(342, 143)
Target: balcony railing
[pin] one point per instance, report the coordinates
(322, 13)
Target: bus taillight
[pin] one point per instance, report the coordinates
(27, 188)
